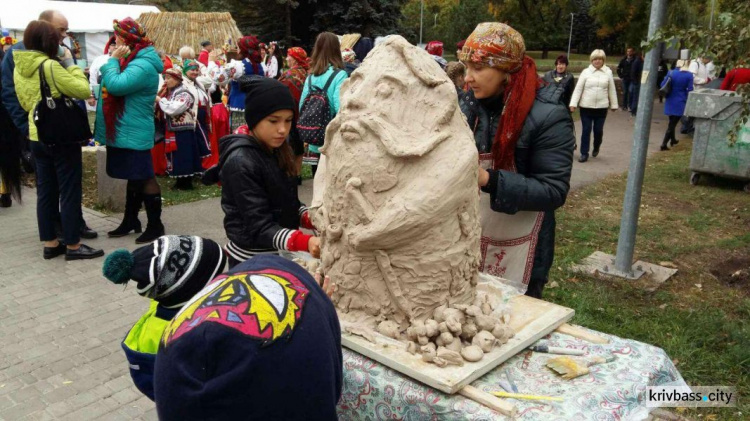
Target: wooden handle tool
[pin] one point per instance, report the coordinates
(488, 400)
(579, 333)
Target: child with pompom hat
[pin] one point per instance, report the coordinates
(169, 271)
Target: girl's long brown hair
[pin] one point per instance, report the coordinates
(327, 52)
(284, 156)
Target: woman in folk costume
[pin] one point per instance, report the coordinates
(177, 102)
(294, 79)
(202, 87)
(525, 139)
(250, 51)
(125, 119)
(219, 127)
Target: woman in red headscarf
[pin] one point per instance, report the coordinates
(250, 51)
(125, 121)
(294, 79)
(525, 139)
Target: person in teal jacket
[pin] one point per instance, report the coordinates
(125, 122)
(326, 60)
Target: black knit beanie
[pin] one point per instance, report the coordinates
(171, 270)
(264, 96)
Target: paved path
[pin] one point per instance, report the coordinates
(61, 324)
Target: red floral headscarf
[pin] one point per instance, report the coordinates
(435, 48)
(250, 48)
(300, 56)
(499, 46)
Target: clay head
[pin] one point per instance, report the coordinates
(396, 94)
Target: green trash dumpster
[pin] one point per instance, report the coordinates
(715, 112)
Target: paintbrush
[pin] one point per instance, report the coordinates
(527, 397)
(569, 368)
(557, 350)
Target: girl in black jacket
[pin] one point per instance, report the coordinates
(262, 213)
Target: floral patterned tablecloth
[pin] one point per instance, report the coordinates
(610, 391)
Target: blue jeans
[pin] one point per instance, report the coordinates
(58, 184)
(592, 117)
(635, 90)
(626, 84)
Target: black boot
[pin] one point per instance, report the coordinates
(154, 227)
(130, 221)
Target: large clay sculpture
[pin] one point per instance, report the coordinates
(396, 199)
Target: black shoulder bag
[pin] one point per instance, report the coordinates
(59, 121)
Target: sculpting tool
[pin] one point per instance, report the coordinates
(527, 397)
(557, 350)
(505, 385)
(579, 333)
(512, 384)
(569, 368)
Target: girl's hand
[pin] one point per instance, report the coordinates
(572, 109)
(313, 246)
(484, 177)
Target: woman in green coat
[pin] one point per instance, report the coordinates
(58, 167)
(125, 121)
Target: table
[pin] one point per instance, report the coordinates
(372, 391)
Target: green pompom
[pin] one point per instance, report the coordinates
(117, 266)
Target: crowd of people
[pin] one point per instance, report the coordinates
(247, 118)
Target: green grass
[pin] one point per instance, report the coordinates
(704, 330)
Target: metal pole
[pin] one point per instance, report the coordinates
(570, 37)
(421, 20)
(632, 202)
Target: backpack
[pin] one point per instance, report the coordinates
(316, 113)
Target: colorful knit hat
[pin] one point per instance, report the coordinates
(299, 55)
(171, 270)
(134, 35)
(499, 46)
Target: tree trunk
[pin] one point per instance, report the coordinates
(288, 25)
(545, 52)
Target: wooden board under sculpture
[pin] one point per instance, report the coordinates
(396, 205)
(531, 320)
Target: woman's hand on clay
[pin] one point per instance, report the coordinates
(120, 52)
(484, 177)
(313, 246)
(325, 282)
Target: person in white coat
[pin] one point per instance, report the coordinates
(594, 94)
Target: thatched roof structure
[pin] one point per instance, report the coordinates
(171, 30)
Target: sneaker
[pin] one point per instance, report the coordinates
(583, 158)
(595, 153)
(83, 252)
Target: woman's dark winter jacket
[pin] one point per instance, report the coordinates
(566, 85)
(544, 161)
(258, 198)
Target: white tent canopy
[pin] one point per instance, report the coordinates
(92, 20)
